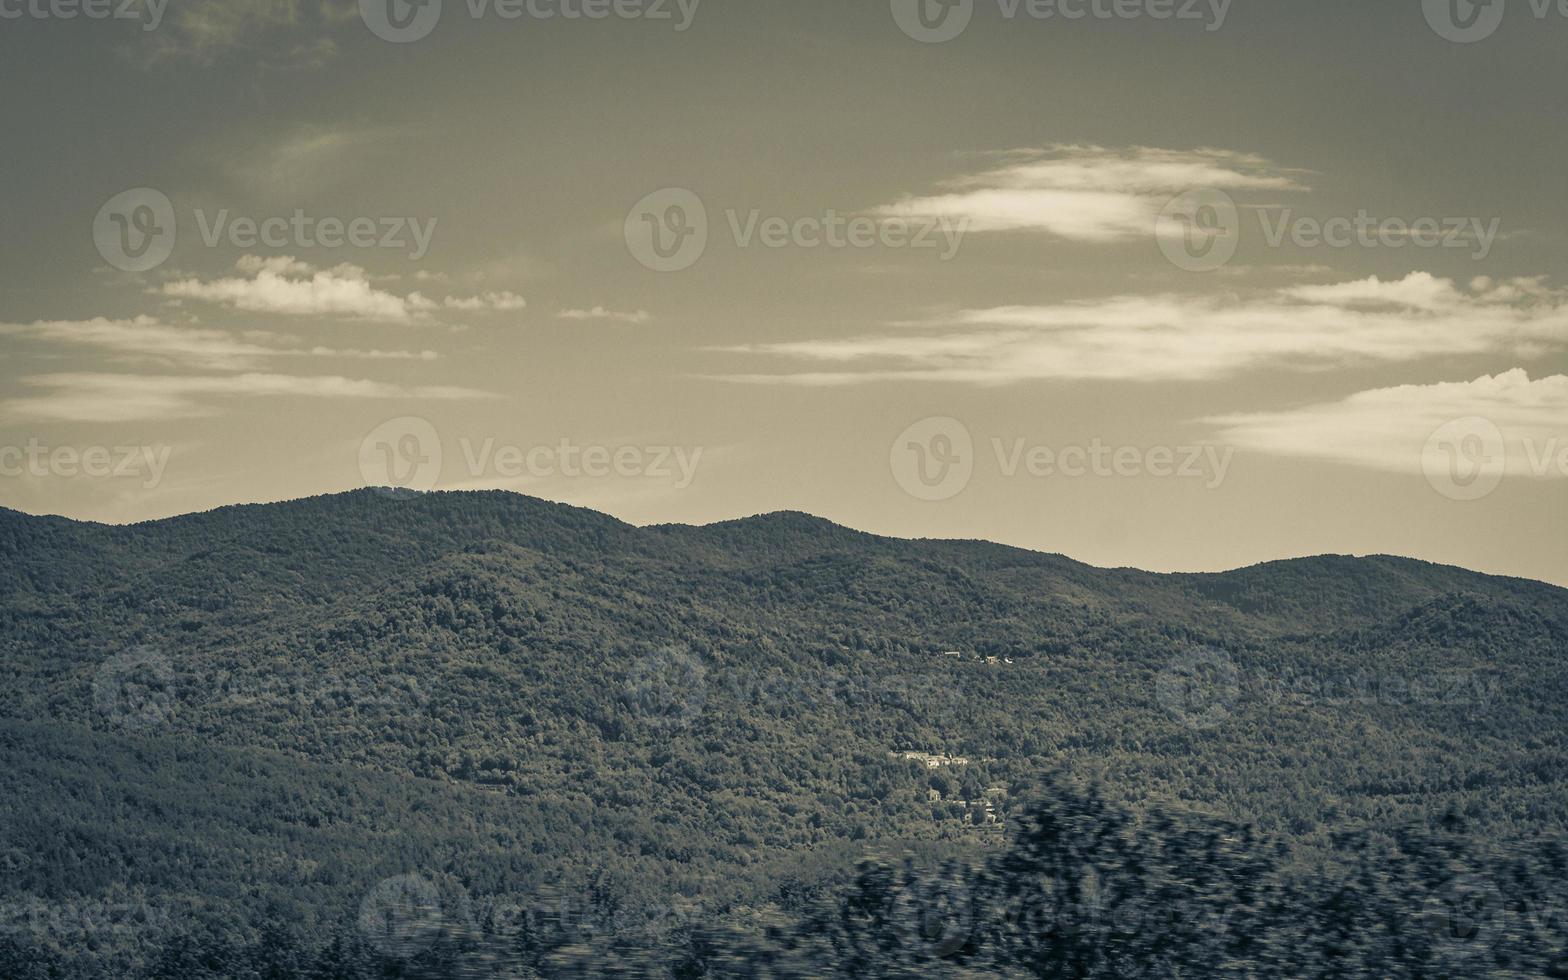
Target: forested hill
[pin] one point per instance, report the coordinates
(259, 715)
(364, 539)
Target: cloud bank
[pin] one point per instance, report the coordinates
(1389, 428)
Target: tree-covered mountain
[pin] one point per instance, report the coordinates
(243, 728)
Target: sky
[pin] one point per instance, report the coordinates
(1184, 285)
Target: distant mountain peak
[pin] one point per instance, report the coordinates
(793, 519)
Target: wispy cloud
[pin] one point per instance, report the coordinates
(94, 397)
(1188, 338)
(295, 159)
(284, 285)
(601, 313)
(1388, 428)
(360, 354)
(1089, 193)
(147, 338)
(284, 34)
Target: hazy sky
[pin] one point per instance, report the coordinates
(1181, 285)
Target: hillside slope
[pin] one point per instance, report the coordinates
(681, 712)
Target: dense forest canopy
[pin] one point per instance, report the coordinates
(458, 733)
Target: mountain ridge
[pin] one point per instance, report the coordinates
(798, 524)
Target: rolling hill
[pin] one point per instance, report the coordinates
(245, 722)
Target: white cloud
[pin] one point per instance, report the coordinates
(355, 353)
(499, 302)
(278, 265)
(92, 397)
(1419, 290)
(601, 313)
(286, 286)
(1388, 428)
(1089, 193)
(1190, 338)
